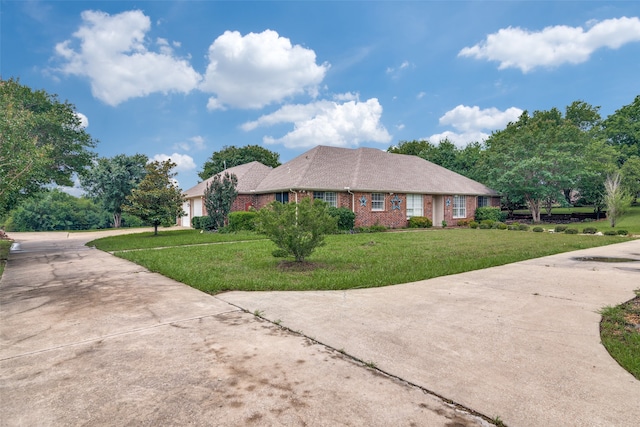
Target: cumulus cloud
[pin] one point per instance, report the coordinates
(327, 123)
(84, 120)
(183, 162)
(553, 46)
(257, 69)
(473, 124)
(195, 143)
(111, 51)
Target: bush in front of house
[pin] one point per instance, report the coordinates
(560, 228)
(589, 230)
(523, 227)
(610, 233)
(490, 213)
(487, 222)
(499, 225)
(571, 231)
(346, 217)
(463, 223)
(473, 224)
(420, 222)
(622, 232)
(242, 220)
(195, 222)
(538, 229)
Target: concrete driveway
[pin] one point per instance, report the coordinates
(89, 339)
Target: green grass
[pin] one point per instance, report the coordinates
(4, 254)
(167, 238)
(620, 335)
(349, 261)
(630, 221)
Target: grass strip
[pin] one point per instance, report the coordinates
(5, 245)
(620, 334)
(355, 261)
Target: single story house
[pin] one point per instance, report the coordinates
(379, 187)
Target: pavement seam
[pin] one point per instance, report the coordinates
(117, 334)
(371, 366)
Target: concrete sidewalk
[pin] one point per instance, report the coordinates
(520, 341)
(89, 339)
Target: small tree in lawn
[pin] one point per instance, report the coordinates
(615, 198)
(296, 228)
(157, 199)
(218, 198)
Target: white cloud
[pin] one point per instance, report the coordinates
(255, 70)
(84, 120)
(327, 123)
(395, 72)
(553, 46)
(113, 54)
(195, 143)
(473, 124)
(421, 95)
(183, 162)
(348, 96)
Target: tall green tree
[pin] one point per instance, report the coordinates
(297, 229)
(231, 156)
(622, 130)
(157, 199)
(42, 142)
(219, 197)
(535, 158)
(110, 180)
(630, 172)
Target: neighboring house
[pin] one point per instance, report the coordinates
(380, 187)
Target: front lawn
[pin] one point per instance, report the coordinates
(5, 245)
(620, 334)
(346, 262)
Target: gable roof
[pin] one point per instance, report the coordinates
(367, 169)
(326, 168)
(249, 176)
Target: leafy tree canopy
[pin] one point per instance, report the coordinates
(42, 142)
(231, 156)
(157, 199)
(219, 197)
(622, 129)
(110, 180)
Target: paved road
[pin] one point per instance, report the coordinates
(90, 339)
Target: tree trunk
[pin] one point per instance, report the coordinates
(155, 229)
(117, 220)
(534, 208)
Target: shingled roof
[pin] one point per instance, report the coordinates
(249, 177)
(326, 168)
(367, 169)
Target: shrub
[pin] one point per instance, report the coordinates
(484, 226)
(206, 223)
(560, 228)
(377, 228)
(499, 225)
(195, 222)
(571, 231)
(463, 223)
(420, 222)
(623, 232)
(488, 222)
(242, 221)
(610, 233)
(512, 227)
(444, 224)
(590, 230)
(538, 229)
(473, 224)
(523, 227)
(490, 213)
(346, 217)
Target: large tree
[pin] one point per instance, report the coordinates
(110, 180)
(630, 172)
(218, 198)
(157, 199)
(622, 130)
(536, 158)
(42, 142)
(231, 156)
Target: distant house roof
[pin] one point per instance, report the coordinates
(326, 168)
(249, 177)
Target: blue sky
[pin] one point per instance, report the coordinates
(182, 79)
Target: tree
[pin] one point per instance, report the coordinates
(411, 148)
(157, 199)
(231, 156)
(622, 130)
(42, 142)
(615, 198)
(110, 180)
(218, 198)
(630, 172)
(535, 158)
(600, 161)
(296, 228)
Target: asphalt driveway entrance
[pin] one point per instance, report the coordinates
(89, 339)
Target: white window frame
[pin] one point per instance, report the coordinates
(330, 197)
(459, 206)
(415, 205)
(484, 201)
(377, 202)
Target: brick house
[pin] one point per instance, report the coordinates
(380, 187)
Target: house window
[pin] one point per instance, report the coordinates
(459, 207)
(377, 201)
(484, 201)
(282, 197)
(328, 196)
(414, 205)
